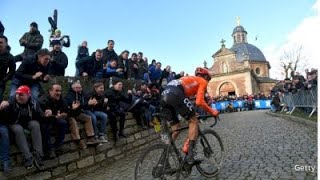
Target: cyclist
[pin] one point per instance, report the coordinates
(175, 100)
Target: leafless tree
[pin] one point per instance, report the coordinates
(294, 60)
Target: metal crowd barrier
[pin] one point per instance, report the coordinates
(302, 98)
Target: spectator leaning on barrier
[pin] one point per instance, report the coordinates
(59, 60)
(23, 115)
(77, 104)
(275, 103)
(56, 110)
(108, 52)
(133, 68)
(92, 66)
(97, 103)
(117, 102)
(32, 42)
(123, 62)
(6, 62)
(31, 72)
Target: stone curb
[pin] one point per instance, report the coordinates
(295, 119)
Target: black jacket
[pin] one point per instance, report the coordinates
(30, 67)
(82, 52)
(1, 29)
(132, 72)
(114, 99)
(34, 42)
(89, 65)
(59, 63)
(6, 62)
(123, 63)
(108, 55)
(46, 102)
(142, 68)
(22, 114)
(101, 106)
(73, 97)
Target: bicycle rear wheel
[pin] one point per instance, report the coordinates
(157, 162)
(210, 148)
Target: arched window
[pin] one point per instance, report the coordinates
(258, 70)
(225, 67)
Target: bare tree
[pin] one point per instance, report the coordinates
(294, 60)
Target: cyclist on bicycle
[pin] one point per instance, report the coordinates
(175, 100)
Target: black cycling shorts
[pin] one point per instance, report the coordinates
(174, 102)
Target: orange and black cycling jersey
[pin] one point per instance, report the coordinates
(197, 86)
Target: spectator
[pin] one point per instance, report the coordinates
(91, 66)
(113, 69)
(31, 72)
(117, 107)
(83, 50)
(97, 103)
(6, 62)
(4, 142)
(141, 110)
(153, 63)
(181, 74)
(275, 103)
(32, 42)
(155, 73)
(1, 29)
(59, 60)
(172, 76)
(123, 62)
(64, 40)
(24, 113)
(77, 103)
(108, 52)
(57, 112)
(165, 74)
(133, 69)
(142, 66)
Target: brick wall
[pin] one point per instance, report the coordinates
(78, 162)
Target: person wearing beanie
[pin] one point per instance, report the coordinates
(32, 42)
(59, 60)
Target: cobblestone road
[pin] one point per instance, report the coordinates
(257, 146)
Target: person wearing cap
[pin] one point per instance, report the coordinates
(6, 62)
(64, 40)
(77, 104)
(32, 42)
(117, 102)
(23, 115)
(31, 72)
(59, 60)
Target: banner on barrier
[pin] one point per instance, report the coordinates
(258, 104)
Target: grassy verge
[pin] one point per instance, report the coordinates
(299, 113)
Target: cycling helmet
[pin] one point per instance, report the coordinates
(201, 71)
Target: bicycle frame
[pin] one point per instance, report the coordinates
(165, 130)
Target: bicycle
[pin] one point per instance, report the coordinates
(171, 162)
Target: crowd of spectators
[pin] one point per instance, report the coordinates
(28, 109)
(292, 85)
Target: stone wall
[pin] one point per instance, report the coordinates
(78, 162)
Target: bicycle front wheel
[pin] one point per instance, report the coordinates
(157, 162)
(210, 149)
